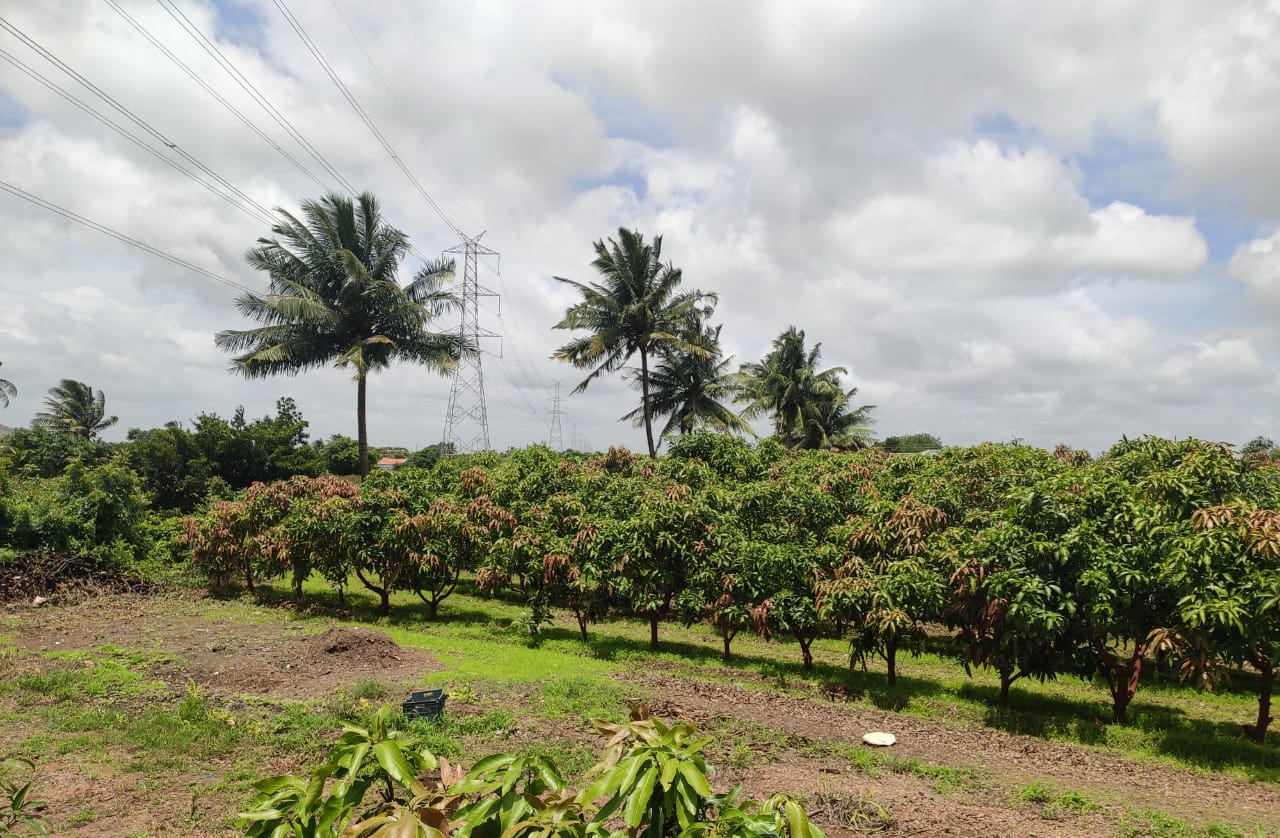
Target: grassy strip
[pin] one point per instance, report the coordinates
(1169, 722)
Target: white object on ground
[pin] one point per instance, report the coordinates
(880, 740)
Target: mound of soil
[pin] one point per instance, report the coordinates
(303, 667)
(63, 578)
(347, 645)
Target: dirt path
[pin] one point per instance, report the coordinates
(1002, 759)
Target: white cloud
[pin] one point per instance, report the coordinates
(1011, 219)
(1257, 262)
(816, 163)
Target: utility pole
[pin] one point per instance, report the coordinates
(466, 425)
(555, 439)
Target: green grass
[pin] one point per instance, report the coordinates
(481, 639)
(872, 762)
(1152, 824)
(1056, 804)
(103, 704)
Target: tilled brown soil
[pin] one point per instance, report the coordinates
(224, 656)
(1003, 760)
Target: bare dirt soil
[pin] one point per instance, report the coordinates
(1004, 761)
(275, 659)
(270, 659)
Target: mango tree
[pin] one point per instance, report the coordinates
(727, 588)
(665, 537)
(1087, 534)
(1228, 562)
(791, 606)
(888, 585)
(584, 581)
(1008, 613)
(437, 545)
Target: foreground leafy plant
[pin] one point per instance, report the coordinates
(19, 814)
(363, 758)
(652, 776)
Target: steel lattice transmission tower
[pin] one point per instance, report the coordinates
(466, 425)
(555, 439)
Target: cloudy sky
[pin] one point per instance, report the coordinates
(1052, 221)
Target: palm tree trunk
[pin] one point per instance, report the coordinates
(362, 433)
(644, 400)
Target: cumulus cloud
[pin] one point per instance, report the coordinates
(1257, 262)
(1012, 219)
(823, 164)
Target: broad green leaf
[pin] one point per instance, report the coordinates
(392, 760)
(633, 811)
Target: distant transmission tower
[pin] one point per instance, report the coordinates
(555, 439)
(466, 425)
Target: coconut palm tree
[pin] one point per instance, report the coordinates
(833, 422)
(810, 408)
(334, 298)
(634, 310)
(691, 389)
(76, 408)
(7, 391)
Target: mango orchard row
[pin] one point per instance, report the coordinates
(1043, 564)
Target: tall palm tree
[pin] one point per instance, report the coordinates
(833, 422)
(634, 310)
(691, 388)
(74, 407)
(810, 408)
(7, 391)
(334, 298)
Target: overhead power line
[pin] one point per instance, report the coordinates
(409, 122)
(364, 117)
(115, 234)
(210, 47)
(132, 117)
(124, 132)
(204, 85)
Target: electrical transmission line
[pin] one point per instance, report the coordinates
(218, 97)
(211, 47)
(466, 396)
(555, 439)
(57, 89)
(124, 111)
(115, 234)
(408, 121)
(364, 117)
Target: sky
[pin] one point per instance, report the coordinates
(1055, 222)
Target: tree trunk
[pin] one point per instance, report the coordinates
(1120, 707)
(644, 403)
(891, 657)
(433, 606)
(582, 624)
(384, 593)
(1006, 678)
(653, 632)
(728, 638)
(805, 655)
(1122, 677)
(297, 587)
(342, 597)
(1267, 669)
(248, 578)
(362, 432)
